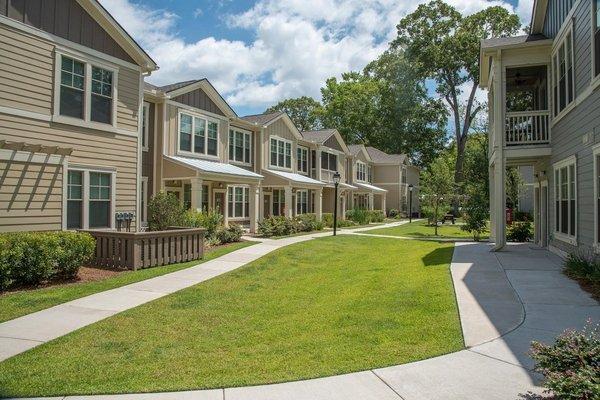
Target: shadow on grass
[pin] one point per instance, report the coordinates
(439, 256)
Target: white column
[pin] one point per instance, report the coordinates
(499, 161)
(196, 193)
(226, 207)
(371, 202)
(319, 203)
(492, 205)
(343, 206)
(253, 207)
(289, 206)
(318, 166)
(383, 199)
(261, 203)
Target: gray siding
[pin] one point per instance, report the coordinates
(333, 143)
(198, 99)
(556, 14)
(65, 19)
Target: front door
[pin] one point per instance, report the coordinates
(219, 202)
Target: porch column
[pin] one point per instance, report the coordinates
(351, 200)
(499, 163)
(343, 206)
(226, 207)
(289, 207)
(371, 202)
(261, 203)
(196, 193)
(253, 207)
(492, 204)
(499, 204)
(318, 166)
(319, 203)
(383, 200)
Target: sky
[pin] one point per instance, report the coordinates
(256, 53)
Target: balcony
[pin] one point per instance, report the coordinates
(527, 118)
(527, 128)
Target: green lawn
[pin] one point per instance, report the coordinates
(16, 304)
(421, 229)
(323, 307)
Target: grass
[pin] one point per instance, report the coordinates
(421, 229)
(307, 310)
(16, 304)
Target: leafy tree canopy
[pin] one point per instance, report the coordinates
(304, 111)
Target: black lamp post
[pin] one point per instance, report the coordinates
(336, 182)
(410, 189)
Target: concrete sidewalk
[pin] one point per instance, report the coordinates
(505, 300)
(23, 333)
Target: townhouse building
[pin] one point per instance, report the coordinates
(70, 99)
(544, 111)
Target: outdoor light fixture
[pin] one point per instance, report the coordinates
(410, 189)
(336, 182)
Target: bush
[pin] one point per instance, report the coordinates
(520, 232)
(231, 234)
(476, 215)
(376, 216)
(210, 220)
(522, 216)
(585, 265)
(570, 366)
(36, 257)
(277, 226)
(341, 223)
(393, 213)
(359, 215)
(309, 223)
(164, 210)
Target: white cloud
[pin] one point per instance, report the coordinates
(296, 44)
(198, 12)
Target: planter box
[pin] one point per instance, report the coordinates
(135, 250)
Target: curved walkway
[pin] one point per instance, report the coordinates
(505, 299)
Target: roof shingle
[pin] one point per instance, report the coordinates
(262, 119)
(318, 136)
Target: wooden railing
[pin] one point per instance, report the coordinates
(528, 127)
(135, 250)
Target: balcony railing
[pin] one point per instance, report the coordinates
(527, 127)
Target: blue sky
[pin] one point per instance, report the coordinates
(259, 52)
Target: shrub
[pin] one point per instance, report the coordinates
(522, 216)
(231, 234)
(520, 232)
(35, 257)
(309, 223)
(584, 265)
(393, 213)
(475, 215)
(376, 216)
(164, 210)
(359, 215)
(570, 365)
(278, 226)
(209, 220)
(341, 223)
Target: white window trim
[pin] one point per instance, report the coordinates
(245, 199)
(86, 194)
(567, 162)
(192, 153)
(302, 149)
(298, 192)
(87, 89)
(144, 210)
(245, 133)
(334, 153)
(145, 132)
(292, 158)
(358, 167)
(558, 42)
(596, 165)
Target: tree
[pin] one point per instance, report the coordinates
(437, 188)
(350, 106)
(303, 111)
(514, 185)
(444, 46)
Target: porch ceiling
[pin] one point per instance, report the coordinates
(212, 169)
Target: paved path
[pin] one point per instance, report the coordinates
(23, 333)
(505, 300)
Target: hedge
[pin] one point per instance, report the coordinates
(31, 258)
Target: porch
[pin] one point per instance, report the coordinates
(368, 197)
(289, 194)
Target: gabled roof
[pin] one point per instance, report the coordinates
(355, 149)
(120, 35)
(318, 136)
(380, 157)
(504, 42)
(263, 119)
(179, 88)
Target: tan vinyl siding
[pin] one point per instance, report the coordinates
(30, 196)
(26, 72)
(90, 148)
(386, 174)
(128, 99)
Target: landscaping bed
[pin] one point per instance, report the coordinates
(88, 281)
(304, 311)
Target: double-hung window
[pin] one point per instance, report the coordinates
(240, 146)
(238, 203)
(278, 202)
(563, 81)
(565, 199)
(281, 153)
(361, 171)
(301, 202)
(198, 135)
(90, 199)
(302, 157)
(329, 161)
(86, 91)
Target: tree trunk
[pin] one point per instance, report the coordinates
(435, 213)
